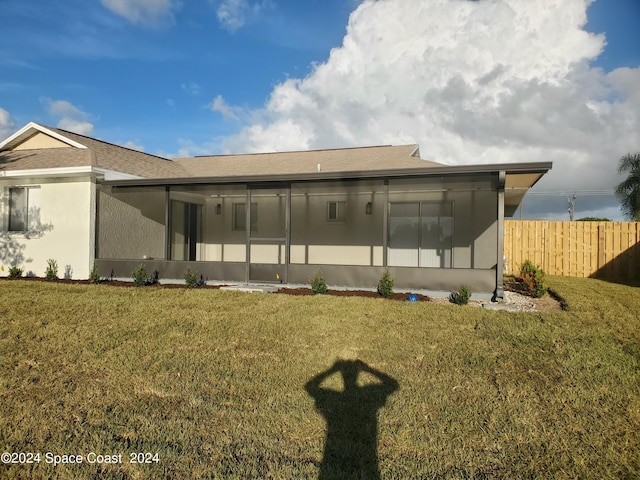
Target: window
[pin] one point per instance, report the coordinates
(240, 217)
(336, 212)
(24, 212)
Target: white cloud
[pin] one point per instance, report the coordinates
(234, 14)
(71, 118)
(143, 12)
(223, 108)
(133, 146)
(7, 125)
(191, 88)
(472, 82)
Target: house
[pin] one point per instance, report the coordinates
(272, 217)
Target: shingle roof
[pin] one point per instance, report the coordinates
(104, 155)
(126, 160)
(341, 160)
(97, 154)
(45, 158)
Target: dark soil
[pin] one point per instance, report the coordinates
(353, 293)
(549, 302)
(115, 283)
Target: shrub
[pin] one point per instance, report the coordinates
(461, 296)
(191, 280)
(318, 285)
(140, 276)
(385, 285)
(15, 272)
(532, 279)
(51, 273)
(94, 277)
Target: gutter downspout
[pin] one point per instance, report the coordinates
(499, 292)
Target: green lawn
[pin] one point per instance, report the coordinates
(214, 383)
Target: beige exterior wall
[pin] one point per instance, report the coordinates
(40, 140)
(62, 231)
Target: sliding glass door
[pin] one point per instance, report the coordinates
(420, 234)
(186, 230)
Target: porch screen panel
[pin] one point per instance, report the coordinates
(186, 230)
(338, 223)
(437, 234)
(420, 234)
(404, 234)
(130, 223)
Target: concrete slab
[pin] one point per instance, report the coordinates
(251, 288)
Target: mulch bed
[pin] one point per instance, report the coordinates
(353, 293)
(549, 302)
(113, 283)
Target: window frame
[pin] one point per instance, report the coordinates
(29, 213)
(235, 227)
(340, 211)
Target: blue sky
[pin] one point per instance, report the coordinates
(471, 82)
(151, 82)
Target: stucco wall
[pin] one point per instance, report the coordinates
(131, 223)
(63, 231)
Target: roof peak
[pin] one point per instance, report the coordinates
(304, 151)
(67, 132)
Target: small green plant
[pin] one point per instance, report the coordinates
(15, 272)
(140, 276)
(94, 277)
(318, 284)
(385, 285)
(533, 279)
(192, 280)
(461, 296)
(51, 273)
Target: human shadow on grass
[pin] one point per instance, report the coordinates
(350, 450)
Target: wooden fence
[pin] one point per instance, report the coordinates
(608, 250)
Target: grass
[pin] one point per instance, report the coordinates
(214, 382)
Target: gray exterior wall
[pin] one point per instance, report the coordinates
(131, 223)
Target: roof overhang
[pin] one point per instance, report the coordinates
(519, 176)
(66, 172)
(31, 129)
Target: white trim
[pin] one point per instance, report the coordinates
(68, 172)
(30, 129)
(114, 174)
(48, 172)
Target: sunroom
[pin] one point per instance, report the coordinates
(432, 228)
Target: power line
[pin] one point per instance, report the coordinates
(570, 196)
(574, 192)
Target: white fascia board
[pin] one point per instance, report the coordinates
(101, 173)
(29, 129)
(48, 172)
(114, 175)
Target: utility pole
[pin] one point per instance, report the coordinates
(572, 205)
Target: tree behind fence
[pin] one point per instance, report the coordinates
(609, 250)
